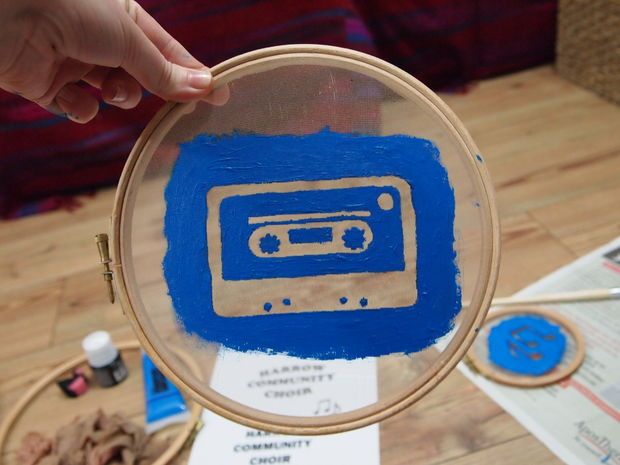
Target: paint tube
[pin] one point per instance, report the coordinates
(164, 403)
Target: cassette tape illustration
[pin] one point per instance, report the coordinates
(301, 246)
(324, 245)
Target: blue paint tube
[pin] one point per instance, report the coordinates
(164, 403)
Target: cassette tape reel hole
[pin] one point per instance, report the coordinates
(318, 231)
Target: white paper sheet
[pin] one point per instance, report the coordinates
(579, 420)
(292, 387)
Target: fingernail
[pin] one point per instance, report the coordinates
(67, 95)
(72, 117)
(200, 79)
(55, 109)
(120, 94)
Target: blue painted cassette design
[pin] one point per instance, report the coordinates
(288, 235)
(324, 245)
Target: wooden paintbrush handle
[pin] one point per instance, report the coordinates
(588, 295)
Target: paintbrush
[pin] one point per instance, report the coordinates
(587, 295)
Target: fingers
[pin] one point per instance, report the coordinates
(119, 53)
(135, 42)
(219, 96)
(76, 103)
(121, 90)
(169, 47)
(64, 97)
(118, 88)
(97, 75)
(171, 81)
(54, 109)
(61, 74)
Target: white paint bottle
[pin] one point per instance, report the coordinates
(104, 359)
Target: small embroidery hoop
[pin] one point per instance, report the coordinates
(119, 266)
(487, 370)
(21, 405)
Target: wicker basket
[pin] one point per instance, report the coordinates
(588, 46)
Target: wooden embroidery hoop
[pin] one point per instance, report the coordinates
(22, 404)
(120, 264)
(486, 369)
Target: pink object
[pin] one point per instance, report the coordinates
(79, 385)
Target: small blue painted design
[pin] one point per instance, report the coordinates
(267, 307)
(353, 238)
(343, 300)
(526, 345)
(286, 302)
(310, 235)
(269, 244)
(363, 301)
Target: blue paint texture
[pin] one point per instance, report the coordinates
(240, 263)
(310, 235)
(209, 161)
(354, 239)
(526, 345)
(269, 244)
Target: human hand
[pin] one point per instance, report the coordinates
(48, 46)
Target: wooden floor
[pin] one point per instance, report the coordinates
(553, 150)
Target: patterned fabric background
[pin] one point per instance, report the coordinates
(45, 159)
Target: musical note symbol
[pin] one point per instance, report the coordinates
(327, 406)
(323, 405)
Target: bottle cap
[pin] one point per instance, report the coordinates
(99, 349)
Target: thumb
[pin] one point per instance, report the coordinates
(170, 81)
